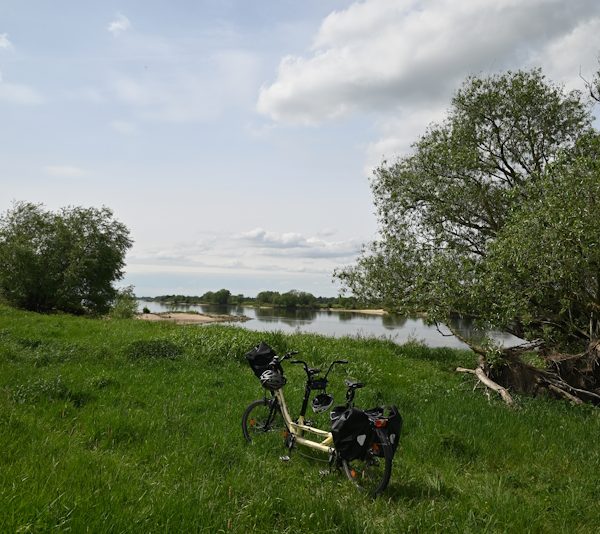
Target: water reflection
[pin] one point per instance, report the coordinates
(343, 317)
(392, 321)
(341, 323)
(290, 317)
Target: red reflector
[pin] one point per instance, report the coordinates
(381, 423)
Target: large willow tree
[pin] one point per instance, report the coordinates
(65, 260)
(495, 215)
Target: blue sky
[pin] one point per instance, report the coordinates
(236, 138)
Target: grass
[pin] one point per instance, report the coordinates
(132, 426)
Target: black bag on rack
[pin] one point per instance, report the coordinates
(352, 434)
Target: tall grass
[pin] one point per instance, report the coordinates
(129, 426)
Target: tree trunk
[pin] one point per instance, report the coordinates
(574, 377)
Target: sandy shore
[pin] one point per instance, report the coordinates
(190, 318)
(366, 312)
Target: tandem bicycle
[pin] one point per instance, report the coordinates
(362, 443)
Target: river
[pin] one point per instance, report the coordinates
(339, 323)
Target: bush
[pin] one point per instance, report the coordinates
(125, 304)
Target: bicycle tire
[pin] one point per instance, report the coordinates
(371, 474)
(262, 419)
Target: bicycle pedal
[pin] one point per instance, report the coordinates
(324, 472)
(285, 458)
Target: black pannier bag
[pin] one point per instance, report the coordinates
(392, 429)
(352, 434)
(260, 357)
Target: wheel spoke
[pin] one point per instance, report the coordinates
(262, 422)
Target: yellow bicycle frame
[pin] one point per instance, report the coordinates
(298, 429)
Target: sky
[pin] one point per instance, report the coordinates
(235, 138)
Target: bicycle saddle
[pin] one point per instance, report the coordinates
(352, 384)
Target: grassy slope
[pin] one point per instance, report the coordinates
(93, 439)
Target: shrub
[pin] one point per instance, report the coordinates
(125, 304)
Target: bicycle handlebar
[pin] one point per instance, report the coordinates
(313, 371)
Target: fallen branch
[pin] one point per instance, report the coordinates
(564, 394)
(480, 373)
(488, 382)
(562, 385)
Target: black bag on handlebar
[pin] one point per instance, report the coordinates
(260, 357)
(352, 434)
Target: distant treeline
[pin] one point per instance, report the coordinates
(291, 299)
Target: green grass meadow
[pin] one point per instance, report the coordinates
(132, 426)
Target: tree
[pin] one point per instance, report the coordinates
(208, 297)
(61, 261)
(222, 296)
(295, 298)
(267, 297)
(482, 219)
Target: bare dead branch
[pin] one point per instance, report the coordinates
(480, 373)
(488, 382)
(564, 394)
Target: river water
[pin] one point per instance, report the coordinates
(340, 323)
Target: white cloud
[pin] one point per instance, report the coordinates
(91, 95)
(398, 132)
(16, 93)
(124, 127)
(252, 252)
(64, 171)
(261, 237)
(5, 43)
(297, 245)
(382, 55)
(119, 25)
(574, 53)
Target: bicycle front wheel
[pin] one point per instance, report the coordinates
(262, 422)
(372, 474)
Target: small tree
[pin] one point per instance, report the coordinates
(61, 261)
(125, 304)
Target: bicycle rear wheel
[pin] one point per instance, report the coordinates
(372, 474)
(262, 422)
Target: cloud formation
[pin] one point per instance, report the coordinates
(119, 25)
(16, 93)
(124, 127)
(5, 44)
(255, 251)
(297, 245)
(379, 55)
(64, 171)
